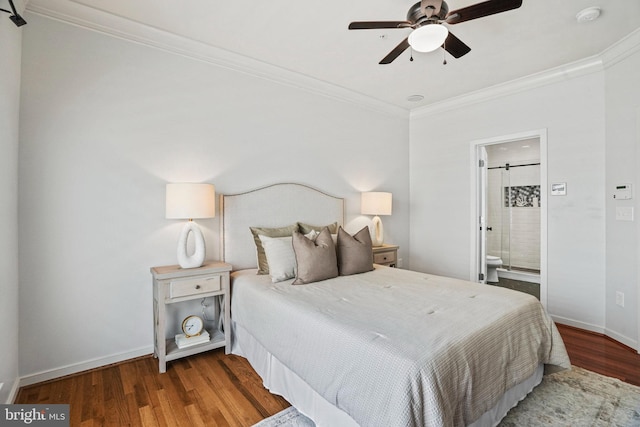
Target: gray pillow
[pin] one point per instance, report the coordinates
(316, 260)
(354, 252)
(306, 228)
(263, 265)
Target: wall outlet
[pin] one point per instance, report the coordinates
(399, 262)
(620, 299)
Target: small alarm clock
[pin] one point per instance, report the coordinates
(192, 326)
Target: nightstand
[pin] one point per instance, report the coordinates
(173, 284)
(386, 255)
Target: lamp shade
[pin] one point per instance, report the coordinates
(428, 37)
(376, 203)
(189, 201)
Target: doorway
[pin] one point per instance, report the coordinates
(509, 219)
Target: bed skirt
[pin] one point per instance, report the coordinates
(280, 380)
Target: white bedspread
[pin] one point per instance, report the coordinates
(398, 348)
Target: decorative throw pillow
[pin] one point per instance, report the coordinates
(280, 256)
(316, 260)
(306, 228)
(354, 252)
(333, 228)
(313, 234)
(263, 265)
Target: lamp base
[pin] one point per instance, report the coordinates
(197, 258)
(377, 237)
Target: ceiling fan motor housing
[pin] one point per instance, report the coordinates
(415, 14)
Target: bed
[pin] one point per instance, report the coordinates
(386, 347)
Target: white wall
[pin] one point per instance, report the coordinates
(11, 37)
(572, 111)
(623, 154)
(105, 124)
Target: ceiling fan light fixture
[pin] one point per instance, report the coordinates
(428, 37)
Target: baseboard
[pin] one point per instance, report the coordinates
(14, 392)
(629, 342)
(580, 325)
(83, 366)
(622, 339)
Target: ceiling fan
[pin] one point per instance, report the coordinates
(426, 18)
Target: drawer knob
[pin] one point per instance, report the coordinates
(197, 286)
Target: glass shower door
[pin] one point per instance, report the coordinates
(505, 226)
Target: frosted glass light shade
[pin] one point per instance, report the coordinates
(188, 201)
(428, 37)
(376, 203)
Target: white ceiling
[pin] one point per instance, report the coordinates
(312, 40)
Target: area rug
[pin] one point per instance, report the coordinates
(570, 398)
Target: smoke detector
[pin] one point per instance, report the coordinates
(589, 14)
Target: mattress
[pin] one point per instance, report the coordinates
(395, 347)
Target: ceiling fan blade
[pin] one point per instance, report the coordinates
(479, 10)
(372, 25)
(404, 44)
(455, 46)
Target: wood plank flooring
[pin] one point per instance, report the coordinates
(209, 389)
(598, 353)
(212, 389)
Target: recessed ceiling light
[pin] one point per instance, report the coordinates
(415, 98)
(589, 14)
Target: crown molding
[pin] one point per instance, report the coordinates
(609, 57)
(80, 15)
(555, 75)
(622, 49)
(75, 13)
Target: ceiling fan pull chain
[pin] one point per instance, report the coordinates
(444, 53)
(411, 57)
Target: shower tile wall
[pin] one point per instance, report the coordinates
(523, 236)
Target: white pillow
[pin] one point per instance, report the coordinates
(280, 256)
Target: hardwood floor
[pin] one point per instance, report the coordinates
(601, 354)
(209, 389)
(212, 389)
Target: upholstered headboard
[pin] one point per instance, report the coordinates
(272, 206)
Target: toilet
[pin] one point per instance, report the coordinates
(493, 264)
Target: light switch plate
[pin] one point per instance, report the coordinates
(624, 213)
(620, 299)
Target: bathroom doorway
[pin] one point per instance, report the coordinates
(509, 222)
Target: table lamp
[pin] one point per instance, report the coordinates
(190, 201)
(376, 203)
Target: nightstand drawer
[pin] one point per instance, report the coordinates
(202, 285)
(384, 257)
